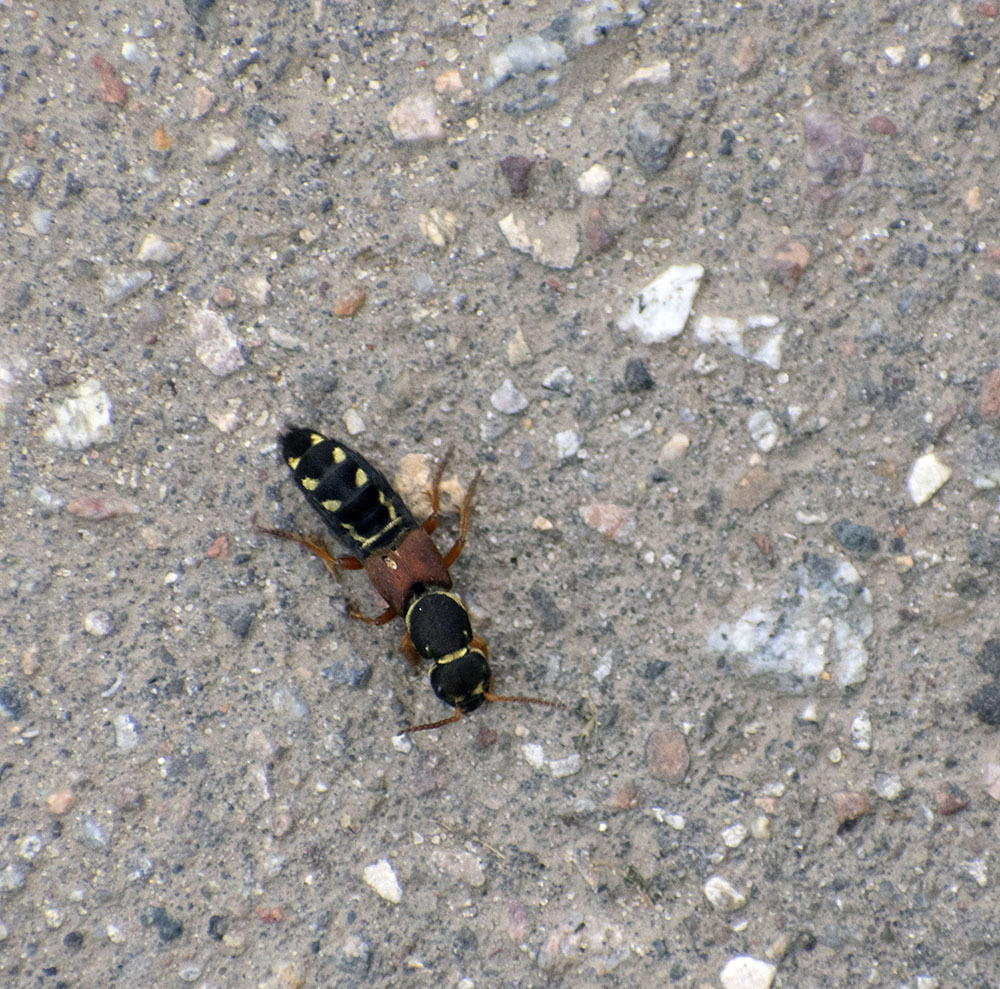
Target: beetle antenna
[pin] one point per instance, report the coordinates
(434, 724)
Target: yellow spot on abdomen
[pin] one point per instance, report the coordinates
(315, 438)
(360, 478)
(309, 483)
(293, 462)
(332, 505)
(338, 455)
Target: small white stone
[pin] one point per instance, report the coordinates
(382, 879)
(895, 54)
(650, 75)
(744, 972)
(353, 422)
(568, 443)
(220, 147)
(98, 623)
(566, 766)
(734, 836)
(156, 250)
(561, 379)
(723, 895)
(534, 754)
(416, 118)
(82, 419)
(861, 732)
(927, 475)
(660, 310)
(126, 735)
(889, 786)
(595, 181)
(508, 400)
(215, 344)
(673, 449)
(763, 430)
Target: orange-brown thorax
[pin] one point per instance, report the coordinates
(416, 560)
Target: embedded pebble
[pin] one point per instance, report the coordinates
(595, 181)
(416, 118)
(763, 430)
(439, 226)
(857, 539)
(667, 756)
(567, 443)
(516, 169)
(258, 288)
(41, 219)
(350, 302)
(60, 801)
(653, 137)
(555, 242)
(82, 419)
(462, 866)
(637, 376)
(861, 732)
(98, 623)
(650, 75)
(927, 476)
(157, 250)
(126, 735)
(673, 449)
(566, 766)
(610, 520)
(24, 177)
(660, 310)
(723, 895)
(508, 400)
(220, 147)
(561, 380)
(518, 351)
(523, 55)
(353, 422)
(534, 754)
(817, 626)
(889, 786)
(118, 285)
(382, 878)
(744, 972)
(215, 344)
(849, 806)
(734, 836)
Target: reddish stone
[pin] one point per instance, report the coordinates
(882, 125)
(515, 170)
(949, 799)
(786, 262)
(599, 237)
(849, 806)
(112, 89)
(989, 397)
(667, 756)
(350, 302)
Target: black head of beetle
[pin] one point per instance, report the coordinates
(464, 681)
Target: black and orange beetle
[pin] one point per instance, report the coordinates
(367, 515)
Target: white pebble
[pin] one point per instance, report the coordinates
(126, 736)
(220, 147)
(566, 766)
(861, 732)
(508, 400)
(561, 379)
(215, 344)
(157, 250)
(595, 181)
(534, 754)
(98, 623)
(353, 422)
(733, 837)
(660, 310)
(927, 475)
(673, 449)
(416, 118)
(744, 972)
(763, 430)
(82, 419)
(723, 895)
(568, 443)
(382, 879)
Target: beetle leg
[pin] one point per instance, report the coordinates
(466, 520)
(332, 563)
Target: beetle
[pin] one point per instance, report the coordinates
(367, 516)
